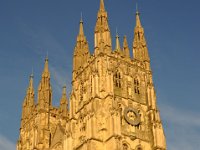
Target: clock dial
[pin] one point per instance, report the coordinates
(131, 116)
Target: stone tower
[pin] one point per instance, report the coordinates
(112, 102)
(40, 120)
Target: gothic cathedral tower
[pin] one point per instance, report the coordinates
(112, 102)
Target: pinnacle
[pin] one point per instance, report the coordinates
(125, 44)
(102, 6)
(46, 66)
(117, 42)
(64, 95)
(125, 48)
(81, 30)
(64, 90)
(138, 22)
(30, 89)
(31, 81)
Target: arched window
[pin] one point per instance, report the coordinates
(136, 86)
(124, 146)
(139, 147)
(117, 79)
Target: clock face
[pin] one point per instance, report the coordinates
(131, 116)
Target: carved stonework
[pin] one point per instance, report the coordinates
(112, 104)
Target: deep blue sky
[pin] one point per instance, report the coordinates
(30, 29)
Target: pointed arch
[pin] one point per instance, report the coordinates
(125, 146)
(136, 84)
(118, 79)
(139, 147)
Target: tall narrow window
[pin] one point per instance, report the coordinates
(117, 80)
(136, 86)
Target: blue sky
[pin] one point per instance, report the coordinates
(30, 29)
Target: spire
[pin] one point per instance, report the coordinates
(44, 88)
(81, 31)
(64, 103)
(46, 66)
(81, 50)
(117, 47)
(140, 50)
(126, 48)
(30, 92)
(64, 95)
(29, 101)
(102, 31)
(102, 7)
(30, 89)
(81, 37)
(138, 22)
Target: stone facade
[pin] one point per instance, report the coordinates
(112, 102)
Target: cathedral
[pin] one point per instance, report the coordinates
(112, 104)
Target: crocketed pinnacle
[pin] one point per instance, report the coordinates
(64, 95)
(64, 103)
(81, 50)
(140, 50)
(44, 88)
(126, 48)
(29, 99)
(117, 47)
(102, 31)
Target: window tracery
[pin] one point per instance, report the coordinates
(136, 86)
(118, 80)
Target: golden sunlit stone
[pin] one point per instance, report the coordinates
(112, 102)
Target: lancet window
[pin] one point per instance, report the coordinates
(118, 79)
(136, 86)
